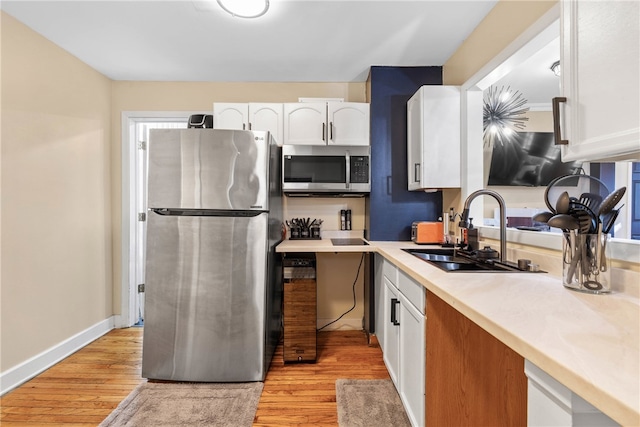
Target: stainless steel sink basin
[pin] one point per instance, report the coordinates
(450, 261)
(348, 241)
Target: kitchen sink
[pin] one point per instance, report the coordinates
(451, 261)
(349, 241)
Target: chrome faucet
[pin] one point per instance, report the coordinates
(464, 220)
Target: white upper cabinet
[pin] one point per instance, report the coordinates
(231, 116)
(600, 115)
(433, 138)
(250, 116)
(267, 117)
(348, 123)
(305, 123)
(326, 123)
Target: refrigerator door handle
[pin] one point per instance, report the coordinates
(206, 212)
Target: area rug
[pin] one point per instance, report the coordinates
(365, 403)
(188, 404)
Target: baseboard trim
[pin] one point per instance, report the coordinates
(342, 324)
(23, 372)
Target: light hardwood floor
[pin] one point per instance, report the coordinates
(85, 387)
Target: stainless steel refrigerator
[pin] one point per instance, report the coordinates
(213, 291)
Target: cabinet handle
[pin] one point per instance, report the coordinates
(323, 130)
(416, 172)
(394, 314)
(249, 125)
(244, 126)
(331, 131)
(556, 121)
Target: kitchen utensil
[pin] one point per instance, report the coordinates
(603, 253)
(564, 222)
(591, 200)
(598, 253)
(563, 203)
(575, 185)
(585, 220)
(572, 251)
(610, 202)
(609, 219)
(542, 217)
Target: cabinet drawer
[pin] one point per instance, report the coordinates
(412, 290)
(390, 271)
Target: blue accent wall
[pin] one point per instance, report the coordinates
(391, 208)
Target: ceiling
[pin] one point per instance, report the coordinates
(296, 41)
(534, 78)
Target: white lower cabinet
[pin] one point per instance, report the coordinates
(402, 321)
(550, 403)
(390, 352)
(412, 361)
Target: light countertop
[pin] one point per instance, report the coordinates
(322, 245)
(589, 343)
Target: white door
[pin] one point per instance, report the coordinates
(140, 195)
(267, 117)
(348, 123)
(305, 123)
(230, 116)
(600, 59)
(412, 361)
(391, 330)
(414, 142)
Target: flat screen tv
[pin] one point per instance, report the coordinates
(528, 159)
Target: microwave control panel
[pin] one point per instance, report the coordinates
(359, 169)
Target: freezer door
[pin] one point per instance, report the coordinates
(205, 298)
(208, 169)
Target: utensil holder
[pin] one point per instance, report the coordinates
(304, 230)
(585, 262)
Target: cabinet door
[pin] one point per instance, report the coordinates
(414, 143)
(433, 138)
(305, 123)
(380, 300)
(391, 330)
(412, 361)
(348, 123)
(267, 117)
(600, 58)
(230, 116)
(549, 403)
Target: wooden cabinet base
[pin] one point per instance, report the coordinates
(299, 341)
(473, 379)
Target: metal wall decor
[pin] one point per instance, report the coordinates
(503, 114)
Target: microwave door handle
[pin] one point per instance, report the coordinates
(348, 171)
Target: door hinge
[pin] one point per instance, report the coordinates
(141, 288)
(142, 145)
(142, 216)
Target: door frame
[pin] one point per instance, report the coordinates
(128, 215)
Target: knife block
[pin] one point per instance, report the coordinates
(299, 341)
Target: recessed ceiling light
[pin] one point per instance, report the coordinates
(245, 8)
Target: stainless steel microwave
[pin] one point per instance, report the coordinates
(311, 169)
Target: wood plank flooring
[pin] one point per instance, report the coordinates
(85, 387)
